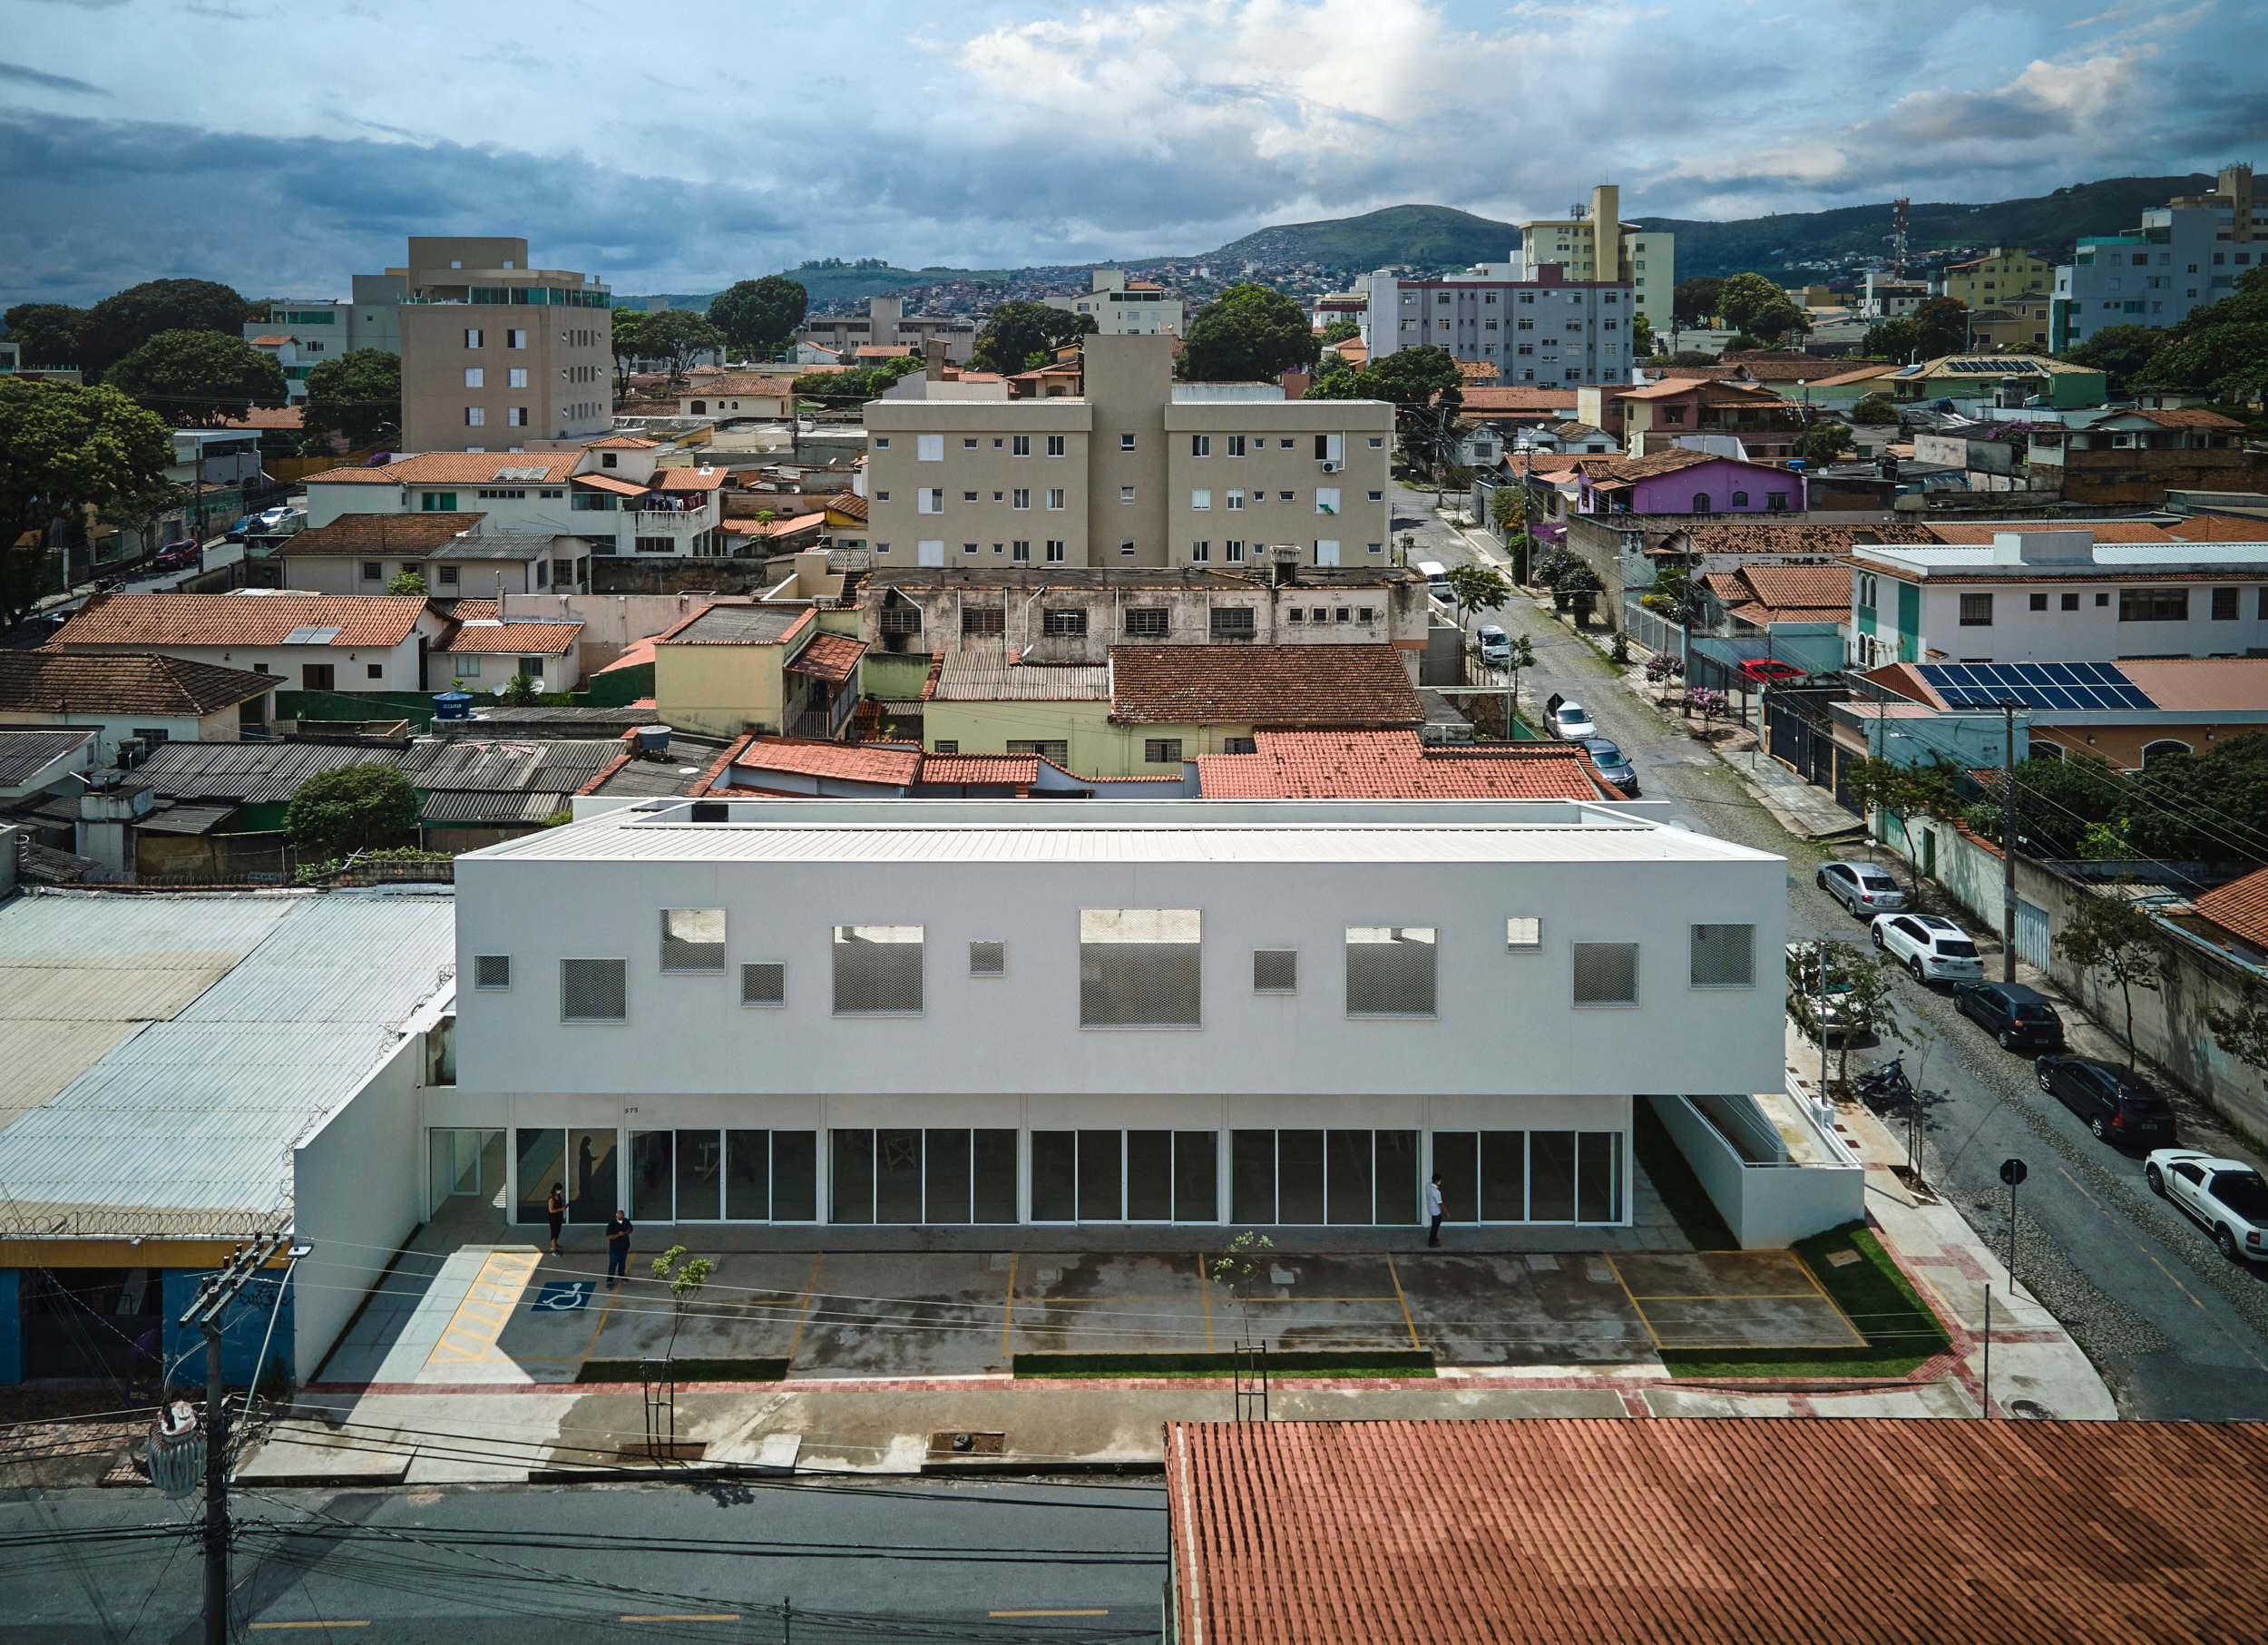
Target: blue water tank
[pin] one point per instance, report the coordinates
(453, 705)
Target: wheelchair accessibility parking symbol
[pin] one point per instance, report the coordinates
(564, 1296)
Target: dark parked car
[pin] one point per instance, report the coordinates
(1612, 764)
(2117, 1104)
(235, 534)
(2020, 1018)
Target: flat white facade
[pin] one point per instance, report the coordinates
(1118, 309)
(1314, 984)
(1542, 330)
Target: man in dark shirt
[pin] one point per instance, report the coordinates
(618, 1246)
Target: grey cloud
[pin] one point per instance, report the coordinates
(17, 73)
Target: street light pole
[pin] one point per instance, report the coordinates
(2007, 844)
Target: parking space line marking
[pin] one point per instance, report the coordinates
(1008, 1308)
(1635, 1308)
(485, 1308)
(720, 1616)
(591, 1346)
(1404, 1301)
(810, 1293)
(1047, 1614)
(1730, 1296)
(1205, 1292)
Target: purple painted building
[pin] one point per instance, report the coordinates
(1687, 482)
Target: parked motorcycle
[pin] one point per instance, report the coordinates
(1885, 1081)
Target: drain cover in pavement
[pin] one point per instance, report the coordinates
(1050, 1275)
(1542, 1263)
(1600, 1276)
(1841, 1260)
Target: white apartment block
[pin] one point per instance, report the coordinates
(1593, 243)
(925, 1012)
(1124, 307)
(302, 332)
(1547, 329)
(886, 324)
(2057, 596)
(1137, 471)
(2186, 254)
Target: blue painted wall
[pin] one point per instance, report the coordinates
(240, 1332)
(11, 1326)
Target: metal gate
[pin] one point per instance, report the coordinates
(2031, 935)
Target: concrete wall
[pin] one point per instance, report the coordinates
(1506, 1021)
(1767, 1207)
(356, 1185)
(720, 691)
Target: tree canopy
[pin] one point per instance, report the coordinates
(349, 807)
(759, 315)
(846, 386)
(1942, 325)
(1695, 300)
(1747, 300)
(1410, 377)
(2118, 352)
(357, 394)
(47, 333)
(2222, 348)
(674, 336)
(1876, 408)
(1251, 334)
(199, 379)
(628, 336)
(121, 323)
(1340, 331)
(1898, 340)
(1015, 332)
(1824, 442)
(67, 447)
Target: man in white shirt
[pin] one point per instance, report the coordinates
(1433, 1209)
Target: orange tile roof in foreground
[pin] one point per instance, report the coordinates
(1702, 1530)
(1396, 765)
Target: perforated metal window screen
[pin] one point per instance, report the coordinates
(877, 969)
(1275, 971)
(764, 984)
(1390, 971)
(1139, 968)
(1606, 973)
(988, 959)
(593, 991)
(1523, 934)
(492, 970)
(1724, 957)
(693, 939)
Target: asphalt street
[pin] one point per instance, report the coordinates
(774, 1561)
(2176, 1331)
(218, 553)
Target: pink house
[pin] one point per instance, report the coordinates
(1686, 481)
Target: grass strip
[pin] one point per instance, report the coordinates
(1354, 1363)
(1902, 1331)
(687, 1370)
(1664, 1163)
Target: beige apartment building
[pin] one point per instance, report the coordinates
(497, 355)
(1121, 307)
(1139, 471)
(1594, 243)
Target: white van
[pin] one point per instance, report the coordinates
(1436, 573)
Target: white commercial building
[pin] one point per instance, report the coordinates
(1545, 329)
(918, 1012)
(1124, 307)
(2186, 254)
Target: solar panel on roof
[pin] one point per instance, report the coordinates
(311, 635)
(2068, 687)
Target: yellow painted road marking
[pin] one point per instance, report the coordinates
(1404, 1301)
(2161, 1269)
(480, 1319)
(362, 1624)
(720, 1616)
(591, 1346)
(1008, 1308)
(1616, 1269)
(810, 1292)
(1730, 1296)
(1047, 1614)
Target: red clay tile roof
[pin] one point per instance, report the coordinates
(623, 441)
(607, 482)
(683, 478)
(1785, 586)
(832, 658)
(1270, 685)
(456, 469)
(853, 762)
(2104, 531)
(394, 535)
(48, 680)
(995, 770)
(2200, 685)
(514, 639)
(2240, 907)
(713, 388)
(1480, 402)
(2218, 528)
(146, 622)
(847, 503)
(282, 337)
(2186, 416)
(1710, 1531)
(1394, 765)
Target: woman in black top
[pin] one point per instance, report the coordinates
(556, 1209)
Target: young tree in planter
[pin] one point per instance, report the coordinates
(1907, 793)
(1474, 588)
(1861, 993)
(685, 1284)
(2110, 935)
(1520, 655)
(1710, 702)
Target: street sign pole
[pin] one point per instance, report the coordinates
(2012, 1171)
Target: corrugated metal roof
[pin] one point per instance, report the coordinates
(188, 1125)
(508, 765)
(503, 809)
(250, 773)
(25, 754)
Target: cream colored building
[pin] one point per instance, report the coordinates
(1137, 471)
(1124, 307)
(1595, 244)
(497, 355)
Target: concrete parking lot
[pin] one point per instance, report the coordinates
(509, 1315)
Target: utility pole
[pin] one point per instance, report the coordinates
(2008, 844)
(214, 1297)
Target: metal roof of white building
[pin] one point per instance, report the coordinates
(209, 1034)
(1266, 831)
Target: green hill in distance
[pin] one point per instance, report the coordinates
(1428, 236)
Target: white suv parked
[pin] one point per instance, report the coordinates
(1934, 950)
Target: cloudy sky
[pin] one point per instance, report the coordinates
(281, 148)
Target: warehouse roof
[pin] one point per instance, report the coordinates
(165, 1053)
